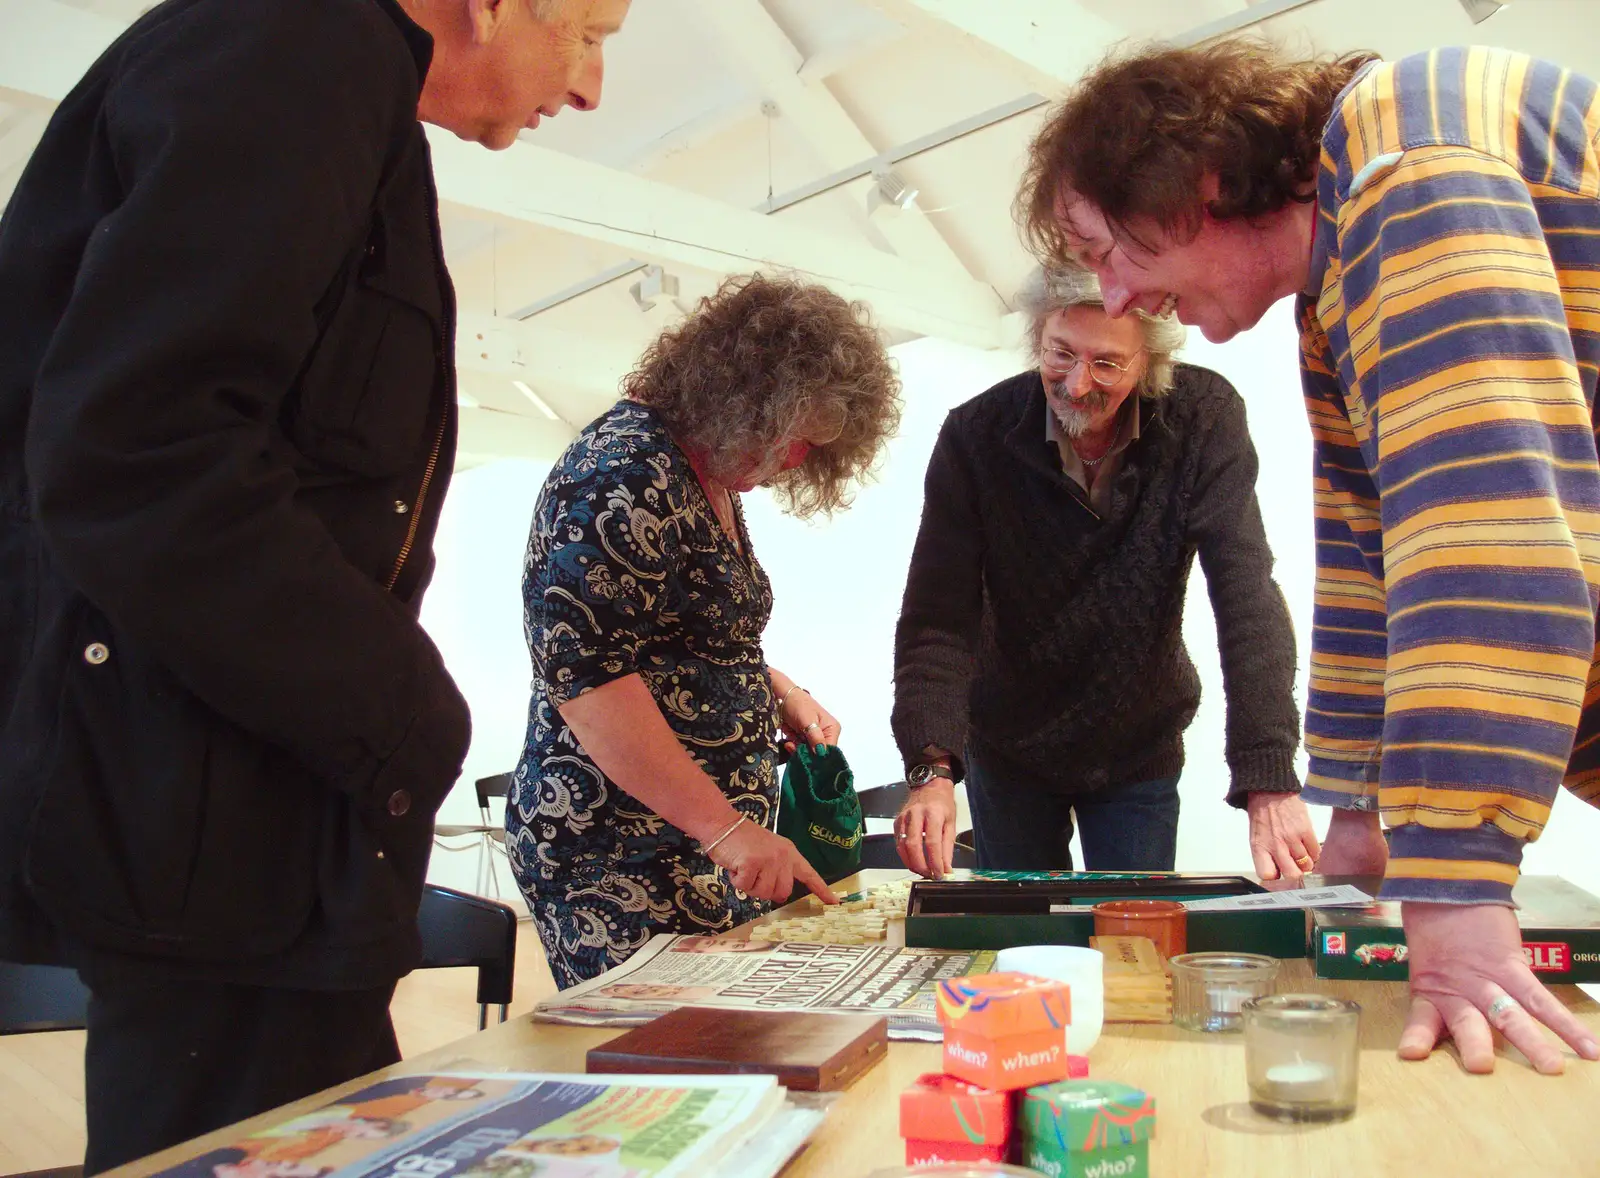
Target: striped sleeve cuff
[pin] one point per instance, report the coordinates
(1478, 865)
(1343, 785)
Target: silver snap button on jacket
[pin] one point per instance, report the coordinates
(96, 653)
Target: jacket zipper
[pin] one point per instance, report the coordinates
(422, 500)
(446, 367)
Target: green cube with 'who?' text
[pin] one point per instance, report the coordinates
(1087, 1129)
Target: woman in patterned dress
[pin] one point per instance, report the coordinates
(646, 792)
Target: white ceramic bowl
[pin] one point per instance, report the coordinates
(1084, 972)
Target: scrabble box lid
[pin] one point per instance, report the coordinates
(806, 1050)
(942, 1108)
(998, 1004)
(1077, 1116)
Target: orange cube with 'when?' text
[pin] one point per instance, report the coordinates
(1005, 1030)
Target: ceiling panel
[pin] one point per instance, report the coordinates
(662, 71)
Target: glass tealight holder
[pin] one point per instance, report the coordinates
(1210, 989)
(1302, 1056)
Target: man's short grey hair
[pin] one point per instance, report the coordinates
(1048, 290)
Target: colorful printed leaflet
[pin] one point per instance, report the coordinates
(944, 1119)
(1005, 1030)
(522, 1126)
(1087, 1129)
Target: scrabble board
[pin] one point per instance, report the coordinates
(999, 909)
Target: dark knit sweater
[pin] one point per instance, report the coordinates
(1050, 640)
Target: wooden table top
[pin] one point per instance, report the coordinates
(1413, 1119)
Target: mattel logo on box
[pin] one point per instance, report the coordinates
(1547, 956)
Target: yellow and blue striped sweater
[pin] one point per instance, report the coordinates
(1449, 361)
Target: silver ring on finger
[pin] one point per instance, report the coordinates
(1501, 1007)
(811, 725)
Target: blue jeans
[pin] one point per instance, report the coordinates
(1018, 825)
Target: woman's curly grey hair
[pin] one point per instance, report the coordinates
(759, 363)
(1057, 288)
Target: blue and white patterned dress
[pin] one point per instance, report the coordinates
(629, 571)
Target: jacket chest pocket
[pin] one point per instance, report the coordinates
(366, 390)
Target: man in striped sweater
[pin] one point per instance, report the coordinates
(1438, 219)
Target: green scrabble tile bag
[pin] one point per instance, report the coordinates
(820, 813)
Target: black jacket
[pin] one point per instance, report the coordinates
(226, 425)
(1051, 639)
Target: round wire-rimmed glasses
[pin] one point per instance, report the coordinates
(1102, 372)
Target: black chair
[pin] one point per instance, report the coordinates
(490, 835)
(459, 929)
(486, 788)
(883, 801)
(41, 998)
(491, 787)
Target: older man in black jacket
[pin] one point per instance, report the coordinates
(226, 426)
(1040, 645)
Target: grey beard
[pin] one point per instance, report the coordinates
(1075, 417)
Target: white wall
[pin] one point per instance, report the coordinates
(474, 613)
(837, 587)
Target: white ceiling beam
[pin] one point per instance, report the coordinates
(665, 224)
(757, 45)
(50, 45)
(47, 47)
(694, 133)
(483, 435)
(837, 58)
(541, 354)
(1047, 43)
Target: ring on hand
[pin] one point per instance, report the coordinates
(1305, 863)
(1501, 1006)
(811, 725)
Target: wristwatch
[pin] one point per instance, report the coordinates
(923, 774)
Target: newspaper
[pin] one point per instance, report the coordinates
(506, 1125)
(674, 971)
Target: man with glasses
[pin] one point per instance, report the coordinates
(1040, 647)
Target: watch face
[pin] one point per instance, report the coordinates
(920, 775)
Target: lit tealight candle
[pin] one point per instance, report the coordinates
(1301, 1082)
(1280, 1032)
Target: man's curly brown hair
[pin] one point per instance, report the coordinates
(763, 360)
(1138, 134)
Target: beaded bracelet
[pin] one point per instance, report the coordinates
(712, 845)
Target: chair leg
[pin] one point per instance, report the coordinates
(502, 1012)
(483, 1016)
